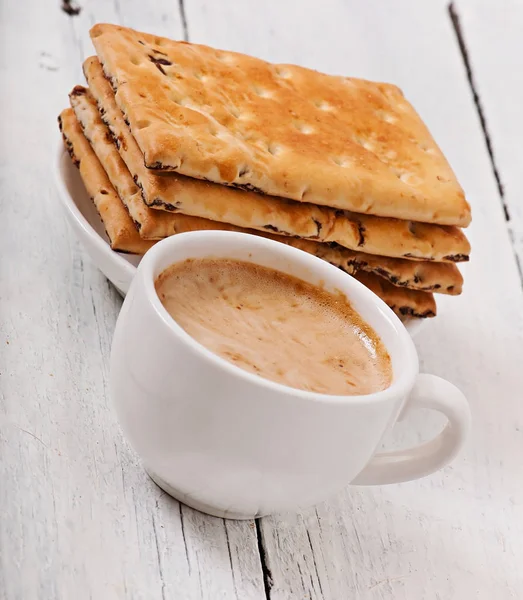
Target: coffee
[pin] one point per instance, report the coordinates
(275, 325)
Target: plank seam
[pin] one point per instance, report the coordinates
(456, 24)
(458, 30)
(230, 556)
(183, 17)
(267, 575)
(182, 526)
(118, 11)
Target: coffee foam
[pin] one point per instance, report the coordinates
(275, 325)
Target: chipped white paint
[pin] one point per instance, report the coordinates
(78, 517)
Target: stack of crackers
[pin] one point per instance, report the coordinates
(173, 137)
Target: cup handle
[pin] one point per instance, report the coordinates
(404, 465)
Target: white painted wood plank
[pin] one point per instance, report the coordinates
(492, 36)
(79, 517)
(78, 514)
(457, 534)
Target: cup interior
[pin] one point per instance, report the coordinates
(289, 260)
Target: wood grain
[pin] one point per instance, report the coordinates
(79, 518)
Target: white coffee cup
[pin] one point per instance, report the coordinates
(232, 444)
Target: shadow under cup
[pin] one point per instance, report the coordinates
(227, 441)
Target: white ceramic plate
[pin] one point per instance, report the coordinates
(85, 221)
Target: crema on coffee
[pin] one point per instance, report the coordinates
(276, 326)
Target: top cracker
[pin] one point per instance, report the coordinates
(281, 130)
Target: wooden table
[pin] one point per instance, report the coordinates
(79, 518)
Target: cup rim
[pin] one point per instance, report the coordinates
(403, 380)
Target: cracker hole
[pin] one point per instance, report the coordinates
(205, 78)
(274, 149)
(143, 123)
(413, 228)
(341, 161)
(225, 58)
(304, 128)
(323, 105)
(283, 73)
(369, 146)
(390, 154)
(245, 116)
(176, 99)
(244, 170)
(388, 118)
(427, 149)
(135, 60)
(224, 134)
(442, 179)
(409, 178)
(104, 192)
(261, 92)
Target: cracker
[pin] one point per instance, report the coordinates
(279, 129)
(442, 277)
(365, 233)
(151, 224)
(120, 230)
(124, 236)
(404, 302)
